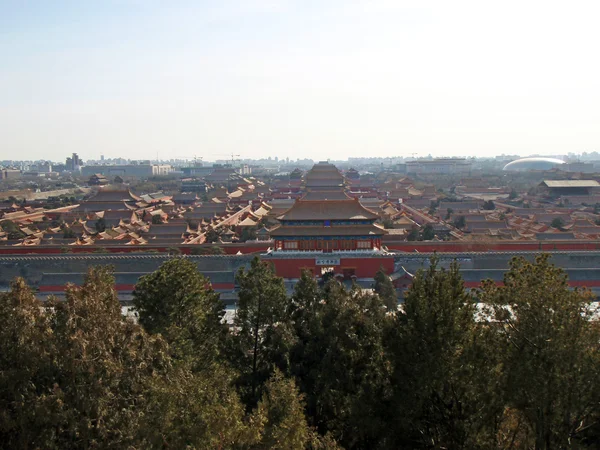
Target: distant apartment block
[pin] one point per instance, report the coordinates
(451, 166)
(6, 174)
(73, 163)
(127, 170)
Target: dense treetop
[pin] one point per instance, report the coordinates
(332, 366)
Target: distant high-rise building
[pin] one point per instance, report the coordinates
(74, 163)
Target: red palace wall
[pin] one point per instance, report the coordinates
(131, 287)
(498, 246)
(261, 247)
(229, 249)
(362, 267)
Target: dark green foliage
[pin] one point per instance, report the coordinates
(413, 235)
(12, 230)
(75, 375)
(460, 222)
(156, 220)
(178, 302)
(557, 223)
(440, 366)
(433, 206)
(212, 236)
(428, 233)
(79, 375)
(58, 222)
(262, 336)
(513, 194)
(385, 289)
(203, 250)
(193, 224)
(339, 360)
(68, 233)
(551, 357)
(283, 408)
(174, 251)
(248, 234)
(489, 205)
(387, 223)
(100, 225)
(328, 364)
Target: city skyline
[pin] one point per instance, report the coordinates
(146, 80)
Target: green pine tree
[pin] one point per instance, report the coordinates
(262, 335)
(283, 410)
(386, 290)
(178, 302)
(441, 368)
(340, 363)
(551, 358)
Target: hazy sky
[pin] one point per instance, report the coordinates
(317, 79)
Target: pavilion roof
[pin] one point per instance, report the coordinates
(345, 230)
(333, 194)
(328, 210)
(570, 183)
(110, 194)
(247, 222)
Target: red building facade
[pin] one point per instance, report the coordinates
(326, 219)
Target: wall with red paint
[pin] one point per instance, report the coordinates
(363, 267)
(261, 247)
(130, 287)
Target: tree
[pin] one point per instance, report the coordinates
(156, 219)
(339, 361)
(68, 233)
(174, 251)
(283, 410)
(203, 250)
(433, 206)
(26, 370)
(460, 222)
(56, 222)
(449, 213)
(11, 229)
(248, 234)
(443, 397)
(513, 194)
(100, 225)
(413, 235)
(178, 302)
(428, 232)
(386, 290)
(200, 411)
(77, 374)
(73, 374)
(557, 223)
(387, 223)
(489, 205)
(551, 358)
(262, 328)
(212, 236)
(302, 306)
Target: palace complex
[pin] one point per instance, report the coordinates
(321, 220)
(326, 219)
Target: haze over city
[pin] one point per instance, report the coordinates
(296, 79)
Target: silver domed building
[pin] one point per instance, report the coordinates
(527, 164)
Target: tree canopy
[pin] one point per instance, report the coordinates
(508, 366)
